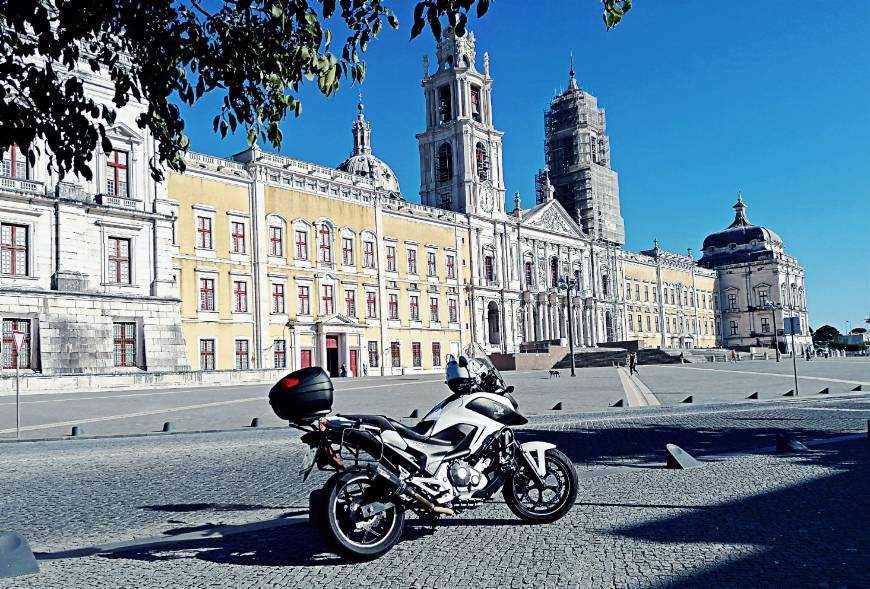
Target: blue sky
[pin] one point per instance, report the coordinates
(768, 98)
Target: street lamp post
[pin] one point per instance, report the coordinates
(772, 306)
(568, 285)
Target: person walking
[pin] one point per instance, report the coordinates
(632, 364)
(734, 355)
(342, 372)
(365, 370)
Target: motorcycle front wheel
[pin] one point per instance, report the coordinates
(345, 528)
(543, 504)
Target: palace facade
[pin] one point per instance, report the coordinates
(261, 261)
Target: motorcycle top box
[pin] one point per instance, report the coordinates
(302, 396)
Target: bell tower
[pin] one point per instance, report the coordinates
(460, 151)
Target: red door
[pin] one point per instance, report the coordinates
(304, 358)
(354, 354)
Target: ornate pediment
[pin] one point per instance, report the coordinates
(552, 217)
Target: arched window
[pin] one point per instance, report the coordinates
(482, 158)
(493, 323)
(324, 243)
(444, 163)
(605, 286)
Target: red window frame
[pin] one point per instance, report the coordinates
(10, 353)
(119, 261)
(325, 244)
(396, 354)
(204, 233)
(301, 245)
(368, 254)
(350, 303)
(14, 249)
(347, 251)
(304, 297)
(119, 172)
(394, 306)
(451, 266)
(276, 241)
(412, 261)
(436, 354)
(391, 258)
(238, 237)
(328, 300)
(433, 309)
(14, 160)
(373, 354)
(206, 294)
(371, 305)
(124, 341)
(452, 311)
(416, 354)
(414, 304)
(431, 265)
(242, 353)
(278, 301)
(206, 354)
(240, 296)
(279, 347)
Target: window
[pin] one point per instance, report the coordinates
(431, 267)
(674, 300)
(732, 302)
(396, 354)
(452, 311)
(373, 354)
(304, 300)
(762, 297)
(605, 285)
(328, 303)
(371, 305)
(394, 306)
(630, 322)
(278, 306)
(528, 269)
(301, 245)
(206, 294)
(657, 323)
(347, 251)
(628, 291)
(117, 174)
(124, 340)
(475, 104)
(665, 295)
(716, 302)
(646, 293)
(206, 354)
(639, 322)
(368, 254)
(482, 159)
(13, 164)
(119, 260)
(237, 237)
(12, 356)
(416, 355)
(685, 293)
(765, 325)
(648, 323)
(488, 270)
(203, 233)
(350, 303)
(279, 349)
(637, 291)
(444, 163)
(451, 266)
(733, 325)
(325, 244)
(391, 258)
(445, 106)
(240, 296)
(276, 241)
(242, 357)
(655, 295)
(412, 261)
(433, 310)
(415, 308)
(14, 249)
(554, 271)
(436, 354)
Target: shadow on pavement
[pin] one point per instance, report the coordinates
(190, 507)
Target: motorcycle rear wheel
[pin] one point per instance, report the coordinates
(345, 529)
(537, 505)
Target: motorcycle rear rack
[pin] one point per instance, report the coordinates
(348, 453)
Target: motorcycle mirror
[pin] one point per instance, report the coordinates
(510, 389)
(463, 361)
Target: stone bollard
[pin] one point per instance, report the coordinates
(255, 422)
(557, 406)
(76, 431)
(414, 413)
(167, 427)
(16, 557)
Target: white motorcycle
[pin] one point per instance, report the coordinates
(457, 457)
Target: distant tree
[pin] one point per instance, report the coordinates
(859, 330)
(256, 53)
(825, 334)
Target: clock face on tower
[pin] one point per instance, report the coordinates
(487, 199)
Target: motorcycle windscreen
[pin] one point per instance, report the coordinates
(496, 411)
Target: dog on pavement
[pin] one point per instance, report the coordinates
(554, 374)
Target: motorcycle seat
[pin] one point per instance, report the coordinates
(385, 423)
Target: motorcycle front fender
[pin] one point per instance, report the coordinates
(534, 452)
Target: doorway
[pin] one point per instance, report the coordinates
(332, 363)
(354, 362)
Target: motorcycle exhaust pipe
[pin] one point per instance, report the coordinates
(402, 489)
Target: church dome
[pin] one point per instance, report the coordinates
(362, 162)
(741, 232)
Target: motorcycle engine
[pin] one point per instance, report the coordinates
(463, 475)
